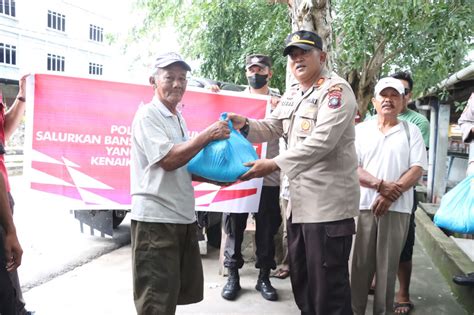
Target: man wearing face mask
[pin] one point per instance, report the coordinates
(268, 218)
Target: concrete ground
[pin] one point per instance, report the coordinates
(50, 236)
(104, 286)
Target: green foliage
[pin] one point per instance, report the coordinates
(220, 34)
(429, 38)
(459, 106)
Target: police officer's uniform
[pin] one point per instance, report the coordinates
(321, 166)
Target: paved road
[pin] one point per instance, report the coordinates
(66, 272)
(51, 238)
(104, 287)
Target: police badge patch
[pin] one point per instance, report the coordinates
(305, 125)
(335, 96)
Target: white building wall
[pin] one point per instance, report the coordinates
(33, 39)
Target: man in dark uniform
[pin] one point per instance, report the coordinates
(268, 218)
(316, 119)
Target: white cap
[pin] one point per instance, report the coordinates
(389, 82)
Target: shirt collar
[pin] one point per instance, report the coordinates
(325, 75)
(247, 90)
(161, 107)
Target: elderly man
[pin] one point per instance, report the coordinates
(403, 304)
(316, 120)
(167, 267)
(391, 156)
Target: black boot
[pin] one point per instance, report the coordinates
(232, 287)
(265, 287)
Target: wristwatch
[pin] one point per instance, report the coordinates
(245, 129)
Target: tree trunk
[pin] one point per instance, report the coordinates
(311, 15)
(363, 82)
(315, 16)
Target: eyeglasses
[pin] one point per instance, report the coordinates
(407, 90)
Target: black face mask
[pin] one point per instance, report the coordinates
(257, 81)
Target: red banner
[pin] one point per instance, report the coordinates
(80, 140)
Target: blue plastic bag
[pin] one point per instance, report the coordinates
(456, 212)
(222, 160)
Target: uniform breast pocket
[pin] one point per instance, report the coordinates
(305, 119)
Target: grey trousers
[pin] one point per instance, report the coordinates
(377, 248)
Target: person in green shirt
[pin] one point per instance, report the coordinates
(403, 305)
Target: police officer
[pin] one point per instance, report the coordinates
(316, 119)
(268, 217)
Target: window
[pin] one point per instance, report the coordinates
(95, 68)
(7, 7)
(56, 21)
(55, 63)
(7, 54)
(95, 33)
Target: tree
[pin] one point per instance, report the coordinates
(313, 15)
(365, 39)
(429, 38)
(220, 34)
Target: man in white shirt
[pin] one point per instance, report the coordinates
(391, 156)
(166, 264)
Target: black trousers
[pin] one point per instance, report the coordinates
(7, 291)
(319, 256)
(268, 220)
(407, 251)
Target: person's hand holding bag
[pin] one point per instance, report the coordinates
(223, 160)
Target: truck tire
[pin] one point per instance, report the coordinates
(117, 217)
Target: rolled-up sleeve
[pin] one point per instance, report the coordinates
(152, 139)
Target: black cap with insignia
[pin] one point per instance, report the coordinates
(258, 60)
(303, 39)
